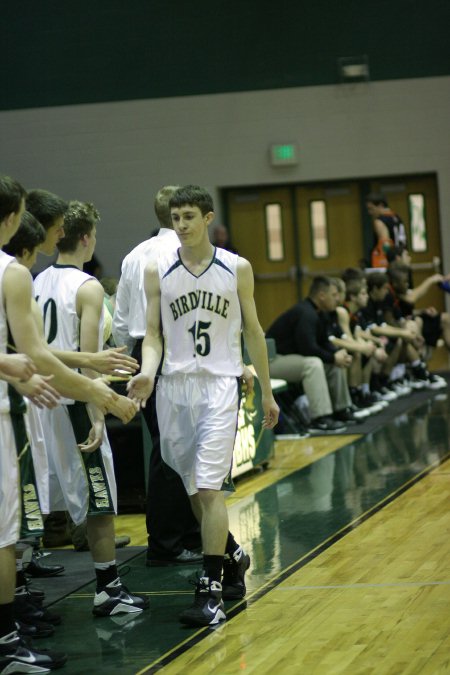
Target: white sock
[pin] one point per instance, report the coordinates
(104, 565)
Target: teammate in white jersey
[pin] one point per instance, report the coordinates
(15, 313)
(49, 209)
(205, 298)
(83, 482)
(24, 246)
(34, 469)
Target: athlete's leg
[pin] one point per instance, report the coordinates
(310, 372)
(337, 383)
(196, 507)
(111, 597)
(214, 523)
(393, 358)
(7, 574)
(355, 374)
(100, 531)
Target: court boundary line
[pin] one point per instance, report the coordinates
(202, 633)
(351, 587)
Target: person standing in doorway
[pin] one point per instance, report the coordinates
(388, 228)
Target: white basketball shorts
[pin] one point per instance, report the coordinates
(197, 417)
(81, 483)
(37, 441)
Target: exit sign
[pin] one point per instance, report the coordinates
(283, 154)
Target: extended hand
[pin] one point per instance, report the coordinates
(109, 361)
(102, 396)
(94, 439)
(124, 409)
(140, 388)
(38, 390)
(18, 366)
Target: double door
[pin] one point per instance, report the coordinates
(294, 232)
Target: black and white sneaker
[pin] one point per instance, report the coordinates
(436, 381)
(207, 609)
(419, 377)
(234, 569)
(115, 598)
(345, 415)
(360, 413)
(401, 387)
(326, 425)
(366, 401)
(34, 630)
(387, 394)
(29, 612)
(378, 398)
(17, 655)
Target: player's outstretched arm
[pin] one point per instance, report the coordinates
(17, 296)
(89, 309)
(112, 361)
(105, 361)
(412, 295)
(141, 386)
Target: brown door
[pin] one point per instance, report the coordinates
(330, 230)
(321, 232)
(401, 194)
(261, 228)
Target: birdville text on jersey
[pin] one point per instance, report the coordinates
(199, 299)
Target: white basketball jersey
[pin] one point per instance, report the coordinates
(201, 316)
(5, 260)
(56, 291)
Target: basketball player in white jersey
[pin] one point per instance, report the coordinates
(200, 300)
(15, 314)
(24, 246)
(34, 473)
(82, 483)
(172, 528)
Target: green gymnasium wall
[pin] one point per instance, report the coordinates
(85, 51)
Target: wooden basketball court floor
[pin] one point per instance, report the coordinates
(350, 545)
